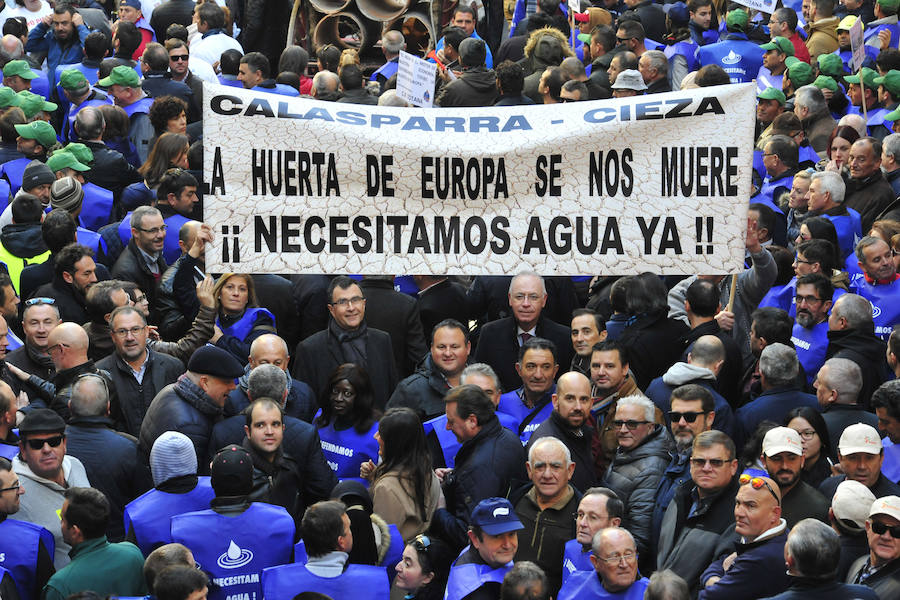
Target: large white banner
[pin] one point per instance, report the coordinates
(613, 187)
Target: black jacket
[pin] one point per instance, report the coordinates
(64, 380)
(310, 297)
(730, 374)
(652, 344)
(157, 84)
(277, 482)
(319, 355)
(110, 170)
(397, 314)
(135, 398)
(69, 301)
(23, 240)
(110, 461)
(36, 275)
(489, 465)
(578, 441)
(358, 96)
(167, 13)
(443, 300)
(867, 351)
(263, 26)
(423, 391)
(25, 359)
(477, 86)
(498, 346)
(274, 293)
(131, 266)
(869, 197)
(885, 582)
(174, 320)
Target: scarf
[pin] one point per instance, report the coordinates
(352, 343)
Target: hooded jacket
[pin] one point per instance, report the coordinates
(546, 47)
(822, 38)
(682, 373)
(21, 244)
(477, 86)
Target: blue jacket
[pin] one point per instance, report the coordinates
(42, 39)
(812, 589)
(772, 405)
(757, 572)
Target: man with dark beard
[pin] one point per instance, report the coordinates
(782, 455)
(810, 332)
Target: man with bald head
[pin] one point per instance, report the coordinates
(569, 423)
(138, 373)
(615, 573)
(298, 400)
(9, 441)
(756, 568)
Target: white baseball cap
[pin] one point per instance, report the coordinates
(852, 502)
(886, 505)
(782, 439)
(859, 438)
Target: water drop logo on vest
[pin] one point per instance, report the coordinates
(234, 557)
(731, 58)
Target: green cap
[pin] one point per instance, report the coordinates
(81, 152)
(122, 75)
(8, 97)
(73, 80)
(31, 104)
(771, 93)
(831, 65)
(824, 82)
(20, 68)
(800, 74)
(890, 81)
(893, 115)
(61, 159)
(737, 18)
(584, 37)
(892, 4)
(790, 60)
(868, 78)
(782, 44)
(41, 131)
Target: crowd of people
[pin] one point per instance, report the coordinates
(170, 434)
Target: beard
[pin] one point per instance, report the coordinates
(805, 319)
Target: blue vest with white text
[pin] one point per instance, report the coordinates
(346, 450)
(357, 581)
(587, 585)
(849, 230)
(885, 299)
(20, 544)
(811, 345)
(575, 559)
(149, 515)
(465, 579)
(512, 405)
(243, 326)
(233, 550)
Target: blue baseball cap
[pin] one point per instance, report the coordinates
(495, 516)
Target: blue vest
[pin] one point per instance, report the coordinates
(849, 230)
(40, 85)
(758, 164)
(465, 579)
(527, 419)
(69, 132)
(851, 266)
(171, 251)
(97, 206)
(449, 444)
(869, 34)
(8, 451)
(280, 89)
(587, 585)
(877, 117)
(810, 345)
(686, 48)
(575, 559)
(13, 171)
(233, 550)
(885, 301)
(4, 194)
(149, 515)
(357, 581)
(346, 450)
(20, 543)
(386, 70)
(847, 55)
(90, 73)
(243, 326)
(89, 238)
(780, 296)
(391, 558)
(13, 341)
(768, 190)
(765, 79)
(740, 57)
(807, 154)
(231, 82)
(141, 106)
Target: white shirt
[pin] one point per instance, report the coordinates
(211, 47)
(33, 18)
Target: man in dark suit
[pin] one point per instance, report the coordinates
(500, 340)
(395, 313)
(347, 339)
(439, 299)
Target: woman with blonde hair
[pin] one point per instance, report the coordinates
(240, 319)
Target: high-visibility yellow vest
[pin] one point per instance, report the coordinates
(15, 264)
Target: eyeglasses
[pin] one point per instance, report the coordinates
(13, 487)
(757, 483)
(178, 57)
(54, 442)
(616, 559)
(878, 528)
(153, 231)
(807, 299)
(345, 302)
(623, 40)
(807, 434)
(631, 425)
(803, 262)
(689, 417)
(135, 331)
(50, 349)
(421, 542)
(33, 301)
(522, 297)
(715, 463)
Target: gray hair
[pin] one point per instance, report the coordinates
(666, 585)
(707, 351)
(572, 67)
(325, 81)
(779, 364)
(641, 402)
(480, 369)
(658, 61)
(552, 441)
(597, 542)
(856, 309)
(89, 123)
(812, 98)
(815, 548)
(843, 376)
(137, 217)
(577, 87)
(890, 146)
(856, 122)
(525, 581)
(90, 397)
(831, 182)
(390, 98)
(512, 281)
(393, 42)
(267, 381)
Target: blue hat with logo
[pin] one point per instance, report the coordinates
(495, 516)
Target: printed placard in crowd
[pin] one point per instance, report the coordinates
(766, 6)
(857, 45)
(656, 183)
(415, 80)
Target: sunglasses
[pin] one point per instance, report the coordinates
(421, 542)
(54, 442)
(631, 425)
(178, 57)
(878, 528)
(689, 417)
(757, 483)
(33, 301)
(715, 463)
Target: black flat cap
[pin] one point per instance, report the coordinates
(213, 361)
(42, 420)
